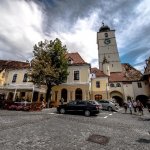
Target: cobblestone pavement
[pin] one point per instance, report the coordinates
(47, 130)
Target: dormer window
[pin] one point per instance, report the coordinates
(70, 61)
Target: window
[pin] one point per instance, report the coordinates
(98, 97)
(78, 94)
(76, 75)
(70, 61)
(112, 85)
(106, 34)
(25, 77)
(118, 85)
(97, 84)
(139, 85)
(64, 94)
(14, 78)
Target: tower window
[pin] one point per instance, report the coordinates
(97, 84)
(106, 35)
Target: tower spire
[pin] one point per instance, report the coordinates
(102, 23)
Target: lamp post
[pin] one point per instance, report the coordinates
(107, 90)
(48, 94)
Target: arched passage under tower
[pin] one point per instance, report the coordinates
(118, 96)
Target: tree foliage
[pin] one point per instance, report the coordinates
(49, 65)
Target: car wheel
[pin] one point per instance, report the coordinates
(62, 110)
(109, 109)
(87, 113)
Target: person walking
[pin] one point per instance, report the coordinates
(130, 106)
(135, 106)
(148, 105)
(125, 105)
(140, 107)
(62, 101)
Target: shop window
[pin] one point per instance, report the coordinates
(78, 94)
(98, 97)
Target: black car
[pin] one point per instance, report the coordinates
(85, 106)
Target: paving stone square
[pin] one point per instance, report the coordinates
(48, 130)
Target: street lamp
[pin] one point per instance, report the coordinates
(107, 89)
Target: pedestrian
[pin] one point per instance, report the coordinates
(140, 107)
(148, 105)
(130, 106)
(125, 105)
(62, 101)
(41, 98)
(135, 106)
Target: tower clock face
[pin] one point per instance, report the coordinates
(107, 41)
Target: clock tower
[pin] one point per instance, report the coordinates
(107, 49)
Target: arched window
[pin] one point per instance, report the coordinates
(98, 97)
(14, 78)
(106, 34)
(64, 94)
(118, 85)
(78, 94)
(112, 85)
(25, 77)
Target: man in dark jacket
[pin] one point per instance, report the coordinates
(148, 105)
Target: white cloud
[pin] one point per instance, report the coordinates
(81, 38)
(20, 27)
(134, 28)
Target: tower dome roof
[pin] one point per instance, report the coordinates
(104, 28)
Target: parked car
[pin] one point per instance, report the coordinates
(108, 105)
(85, 106)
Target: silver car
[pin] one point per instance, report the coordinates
(108, 105)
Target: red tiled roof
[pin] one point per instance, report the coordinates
(117, 76)
(128, 73)
(76, 58)
(98, 72)
(11, 64)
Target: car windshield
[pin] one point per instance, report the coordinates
(93, 102)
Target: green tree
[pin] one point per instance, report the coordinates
(49, 65)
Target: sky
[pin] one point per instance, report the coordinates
(23, 23)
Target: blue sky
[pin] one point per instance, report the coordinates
(75, 22)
